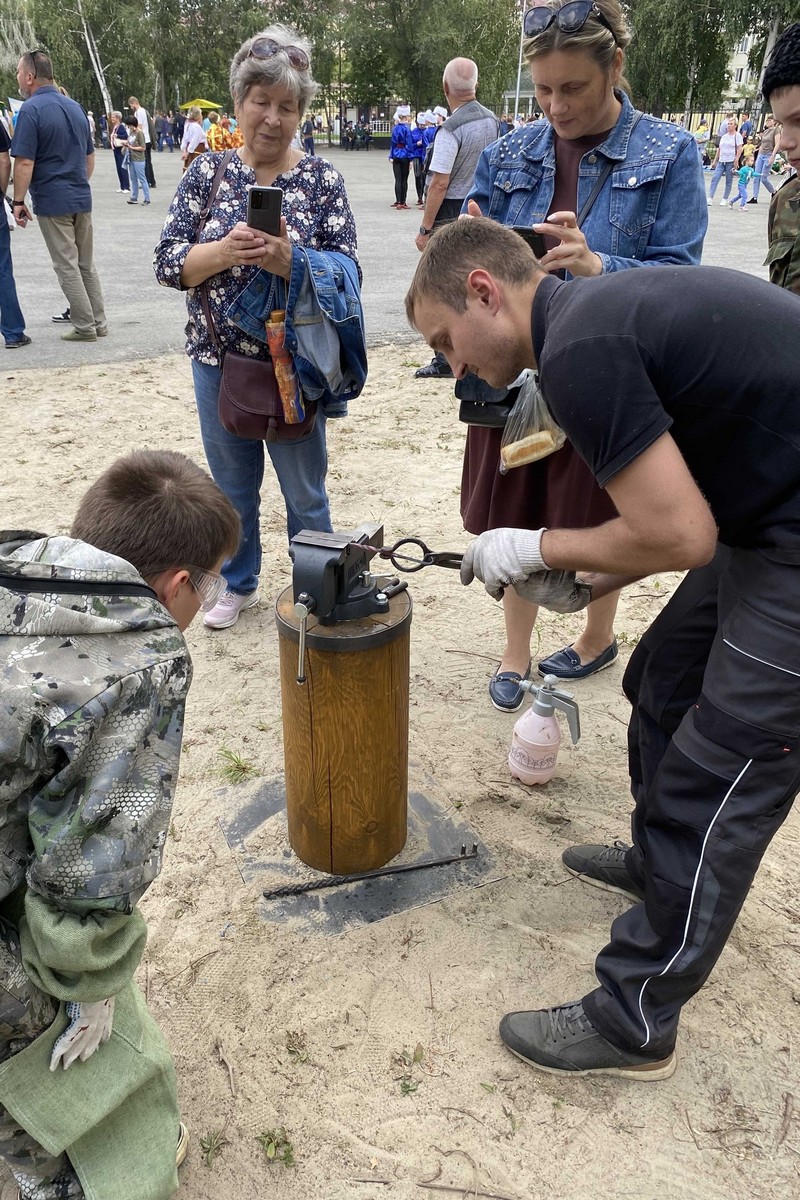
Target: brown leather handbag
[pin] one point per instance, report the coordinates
(249, 401)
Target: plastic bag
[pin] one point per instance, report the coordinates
(530, 432)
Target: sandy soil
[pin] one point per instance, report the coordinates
(479, 1122)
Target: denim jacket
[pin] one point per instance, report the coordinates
(651, 209)
(324, 323)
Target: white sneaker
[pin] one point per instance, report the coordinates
(226, 611)
(722, 203)
(710, 202)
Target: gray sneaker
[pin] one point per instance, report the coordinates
(563, 1040)
(603, 867)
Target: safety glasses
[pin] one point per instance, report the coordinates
(570, 18)
(208, 585)
(264, 48)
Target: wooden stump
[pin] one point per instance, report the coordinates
(345, 737)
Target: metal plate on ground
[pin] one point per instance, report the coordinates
(256, 832)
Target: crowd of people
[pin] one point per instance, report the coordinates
(95, 670)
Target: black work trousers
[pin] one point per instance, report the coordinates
(715, 766)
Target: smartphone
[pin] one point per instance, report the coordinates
(535, 240)
(264, 209)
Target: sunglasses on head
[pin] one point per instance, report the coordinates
(264, 48)
(570, 18)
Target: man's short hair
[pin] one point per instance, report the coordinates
(158, 509)
(461, 247)
(40, 66)
(783, 68)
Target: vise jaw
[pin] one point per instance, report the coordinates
(332, 571)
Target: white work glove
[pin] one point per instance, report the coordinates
(501, 557)
(89, 1026)
(513, 557)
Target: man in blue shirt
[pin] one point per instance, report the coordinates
(54, 157)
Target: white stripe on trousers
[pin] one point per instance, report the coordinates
(682, 946)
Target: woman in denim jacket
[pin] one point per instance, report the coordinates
(271, 85)
(651, 209)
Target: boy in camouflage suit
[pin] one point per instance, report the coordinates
(94, 672)
(781, 90)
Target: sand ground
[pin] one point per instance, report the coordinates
(315, 1027)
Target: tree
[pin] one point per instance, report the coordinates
(105, 50)
(680, 52)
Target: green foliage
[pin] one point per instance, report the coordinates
(234, 768)
(276, 1146)
(212, 1144)
(174, 50)
(680, 52)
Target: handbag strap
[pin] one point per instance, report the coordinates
(602, 177)
(201, 224)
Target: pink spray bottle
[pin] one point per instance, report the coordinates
(537, 733)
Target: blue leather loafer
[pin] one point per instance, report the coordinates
(566, 664)
(504, 689)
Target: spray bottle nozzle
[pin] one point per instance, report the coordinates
(547, 697)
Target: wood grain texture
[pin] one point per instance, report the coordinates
(345, 735)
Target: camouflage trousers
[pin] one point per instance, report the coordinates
(25, 1013)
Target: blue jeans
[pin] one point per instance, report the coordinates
(136, 170)
(762, 175)
(237, 465)
(12, 322)
(719, 169)
(742, 197)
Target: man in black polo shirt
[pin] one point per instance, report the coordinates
(53, 154)
(679, 387)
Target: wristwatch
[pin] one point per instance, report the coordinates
(424, 231)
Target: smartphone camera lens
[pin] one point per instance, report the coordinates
(255, 199)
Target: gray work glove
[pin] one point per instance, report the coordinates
(89, 1026)
(512, 557)
(558, 591)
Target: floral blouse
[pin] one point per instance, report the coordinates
(317, 214)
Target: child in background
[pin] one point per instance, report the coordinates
(136, 167)
(745, 174)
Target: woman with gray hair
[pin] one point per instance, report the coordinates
(235, 273)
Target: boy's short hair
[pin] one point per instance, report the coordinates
(158, 509)
(461, 247)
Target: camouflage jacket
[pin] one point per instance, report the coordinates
(93, 680)
(783, 229)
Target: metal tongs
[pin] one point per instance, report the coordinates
(429, 558)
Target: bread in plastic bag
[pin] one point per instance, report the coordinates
(530, 432)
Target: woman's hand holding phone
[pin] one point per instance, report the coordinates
(573, 254)
(246, 247)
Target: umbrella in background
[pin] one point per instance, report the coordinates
(204, 104)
